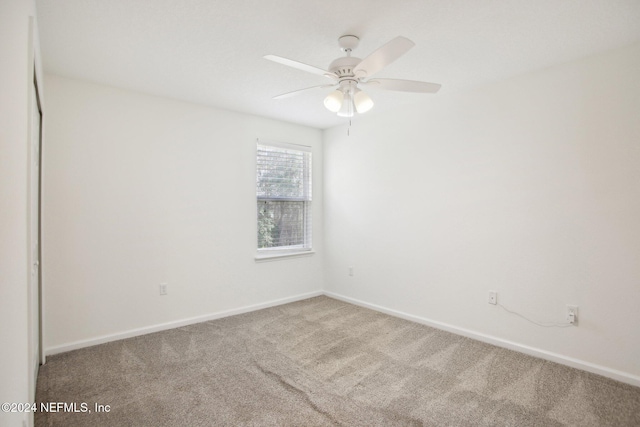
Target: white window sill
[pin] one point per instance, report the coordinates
(262, 257)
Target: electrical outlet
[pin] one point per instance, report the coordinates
(350, 271)
(493, 297)
(163, 288)
(572, 314)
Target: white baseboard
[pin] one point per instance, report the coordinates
(175, 324)
(532, 351)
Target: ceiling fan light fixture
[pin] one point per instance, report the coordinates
(333, 101)
(347, 106)
(362, 101)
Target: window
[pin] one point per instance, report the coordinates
(283, 189)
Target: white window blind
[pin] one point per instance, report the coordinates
(283, 189)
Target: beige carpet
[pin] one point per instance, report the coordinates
(323, 362)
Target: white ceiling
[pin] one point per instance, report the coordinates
(210, 51)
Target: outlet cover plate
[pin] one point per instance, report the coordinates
(493, 297)
(573, 309)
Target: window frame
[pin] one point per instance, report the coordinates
(305, 248)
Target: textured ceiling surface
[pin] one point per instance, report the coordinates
(210, 52)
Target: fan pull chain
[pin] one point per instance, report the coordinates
(349, 128)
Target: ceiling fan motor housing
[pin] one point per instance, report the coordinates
(343, 67)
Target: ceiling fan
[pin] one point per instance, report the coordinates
(349, 73)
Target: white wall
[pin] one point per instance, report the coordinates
(18, 48)
(530, 187)
(143, 190)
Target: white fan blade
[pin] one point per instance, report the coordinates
(403, 85)
(300, 66)
(382, 57)
(299, 91)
